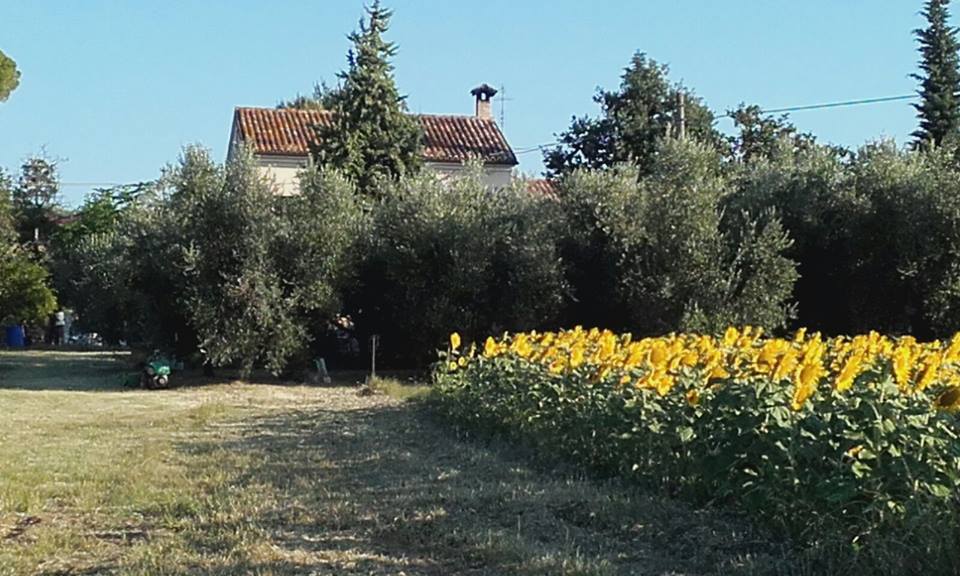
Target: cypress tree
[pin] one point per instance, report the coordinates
(371, 136)
(939, 109)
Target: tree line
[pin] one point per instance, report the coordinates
(649, 231)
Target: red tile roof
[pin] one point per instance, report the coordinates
(288, 132)
(543, 188)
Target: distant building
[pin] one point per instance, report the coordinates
(280, 141)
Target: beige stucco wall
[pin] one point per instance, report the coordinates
(495, 176)
(283, 171)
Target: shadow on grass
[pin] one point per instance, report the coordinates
(383, 490)
(77, 370)
(67, 370)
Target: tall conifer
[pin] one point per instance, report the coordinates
(371, 135)
(939, 108)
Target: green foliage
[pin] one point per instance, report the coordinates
(9, 76)
(763, 136)
(907, 251)
(653, 254)
(36, 198)
(371, 137)
(633, 122)
(94, 279)
(453, 253)
(872, 473)
(260, 269)
(810, 189)
(316, 243)
(323, 98)
(79, 247)
(147, 256)
(25, 294)
(873, 234)
(116, 266)
(100, 214)
(236, 299)
(8, 229)
(939, 108)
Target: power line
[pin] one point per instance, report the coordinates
(836, 104)
(821, 106)
(91, 184)
(529, 149)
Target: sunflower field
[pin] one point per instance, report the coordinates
(854, 435)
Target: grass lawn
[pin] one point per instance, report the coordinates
(237, 478)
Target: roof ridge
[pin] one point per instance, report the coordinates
(322, 111)
(465, 116)
(283, 110)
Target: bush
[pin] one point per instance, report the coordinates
(655, 254)
(454, 252)
(260, 270)
(25, 293)
(235, 296)
(907, 250)
(811, 190)
(874, 234)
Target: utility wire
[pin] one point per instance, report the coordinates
(836, 104)
(105, 184)
(802, 108)
(533, 148)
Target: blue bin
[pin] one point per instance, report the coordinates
(14, 336)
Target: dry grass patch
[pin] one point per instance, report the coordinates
(236, 478)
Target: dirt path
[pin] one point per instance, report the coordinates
(265, 479)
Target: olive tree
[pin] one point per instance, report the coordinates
(455, 254)
(655, 253)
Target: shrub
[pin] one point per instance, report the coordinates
(655, 254)
(908, 249)
(25, 293)
(811, 191)
(454, 252)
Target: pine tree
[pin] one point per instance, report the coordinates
(371, 136)
(939, 109)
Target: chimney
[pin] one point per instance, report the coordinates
(483, 93)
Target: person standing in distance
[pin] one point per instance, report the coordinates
(59, 327)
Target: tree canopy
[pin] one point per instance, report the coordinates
(9, 76)
(762, 135)
(322, 98)
(8, 228)
(371, 136)
(633, 121)
(36, 198)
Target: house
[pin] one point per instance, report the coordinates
(280, 141)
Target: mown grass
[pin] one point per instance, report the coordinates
(233, 478)
(403, 390)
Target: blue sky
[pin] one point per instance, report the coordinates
(115, 88)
